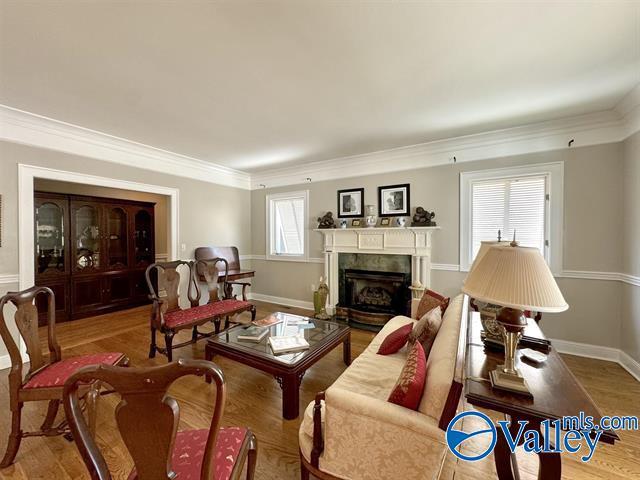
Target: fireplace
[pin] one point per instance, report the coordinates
(373, 288)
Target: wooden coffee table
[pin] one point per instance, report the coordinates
(288, 369)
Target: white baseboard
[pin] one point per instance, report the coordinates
(601, 353)
(289, 302)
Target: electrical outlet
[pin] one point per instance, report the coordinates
(183, 247)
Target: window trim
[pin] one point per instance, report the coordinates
(554, 214)
(304, 257)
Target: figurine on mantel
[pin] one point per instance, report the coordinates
(423, 218)
(326, 221)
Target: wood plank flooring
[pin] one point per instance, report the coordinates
(254, 400)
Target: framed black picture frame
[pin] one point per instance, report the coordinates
(351, 203)
(394, 200)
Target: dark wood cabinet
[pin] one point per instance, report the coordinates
(93, 252)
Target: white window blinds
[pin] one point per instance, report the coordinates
(509, 204)
(286, 215)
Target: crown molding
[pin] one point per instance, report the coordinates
(35, 130)
(609, 126)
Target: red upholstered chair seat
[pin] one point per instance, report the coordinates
(221, 308)
(57, 373)
(186, 460)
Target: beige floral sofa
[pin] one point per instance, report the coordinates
(352, 432)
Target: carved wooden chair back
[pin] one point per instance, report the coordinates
(209, 269)
(170, 275)
(147, 417)
(26, 320)
(230, 254)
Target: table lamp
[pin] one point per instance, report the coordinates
(518, 279)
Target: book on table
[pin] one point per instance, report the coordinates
(288, 344)
(280, 317)
(253, 334)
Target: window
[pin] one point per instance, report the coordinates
(287, 226)
(527, 200)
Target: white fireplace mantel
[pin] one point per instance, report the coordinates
(414, 241)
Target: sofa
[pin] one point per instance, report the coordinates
(352, 432)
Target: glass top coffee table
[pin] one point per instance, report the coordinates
(287, 368)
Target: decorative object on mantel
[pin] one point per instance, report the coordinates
(343, 223)
(393, 200)
(518, 278)
(326, 221)
(385, 222)
(323, 294)
(423, 218)
(350, 203)
(401, 221)
(371, 219)
(356, 222)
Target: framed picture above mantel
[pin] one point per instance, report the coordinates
(394, 200)
(350, 203)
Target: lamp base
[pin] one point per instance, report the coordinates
(510, 382)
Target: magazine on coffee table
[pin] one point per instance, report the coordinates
(279, 317)
(294, 343)
(253, 334)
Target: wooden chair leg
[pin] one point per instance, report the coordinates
(153, 346)
(14, 438)
(52, 412)
(226, 322)
(304, 473)
(253, 313)
(194, 334)
(93, 395)
(252, 457)
(168, 341)
(216, 324)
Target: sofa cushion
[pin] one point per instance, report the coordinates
(430, 300)
(425, 331)
(395, 340)
(409, 388)
(442, 361)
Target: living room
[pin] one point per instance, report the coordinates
(440, 200)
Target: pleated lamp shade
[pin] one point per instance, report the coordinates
(485, 245)
(516, 277)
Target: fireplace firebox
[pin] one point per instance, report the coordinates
(373, 297)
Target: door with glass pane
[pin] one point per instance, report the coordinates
(143, 236)
(117, 238)
(87, 237)
(51, 247)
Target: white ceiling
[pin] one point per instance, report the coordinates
(255, 85)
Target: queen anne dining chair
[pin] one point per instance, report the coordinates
(46, 376)
(147, 418)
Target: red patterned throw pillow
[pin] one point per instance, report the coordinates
(426, 329)
(429, 301)
(395, 340)
(410, 385)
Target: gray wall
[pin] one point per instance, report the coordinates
(208, 215)
(593, 214)
(630, 301)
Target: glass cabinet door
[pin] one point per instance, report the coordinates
(87, 237)
(117, 238)
(143, 234)
(50, 231)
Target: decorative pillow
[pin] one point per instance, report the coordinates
(429, 301)
(395, 340)
(410, 385)
(426, 329)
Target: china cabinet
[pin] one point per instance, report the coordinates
(92, 252)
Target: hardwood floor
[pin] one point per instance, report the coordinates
(254, 400)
